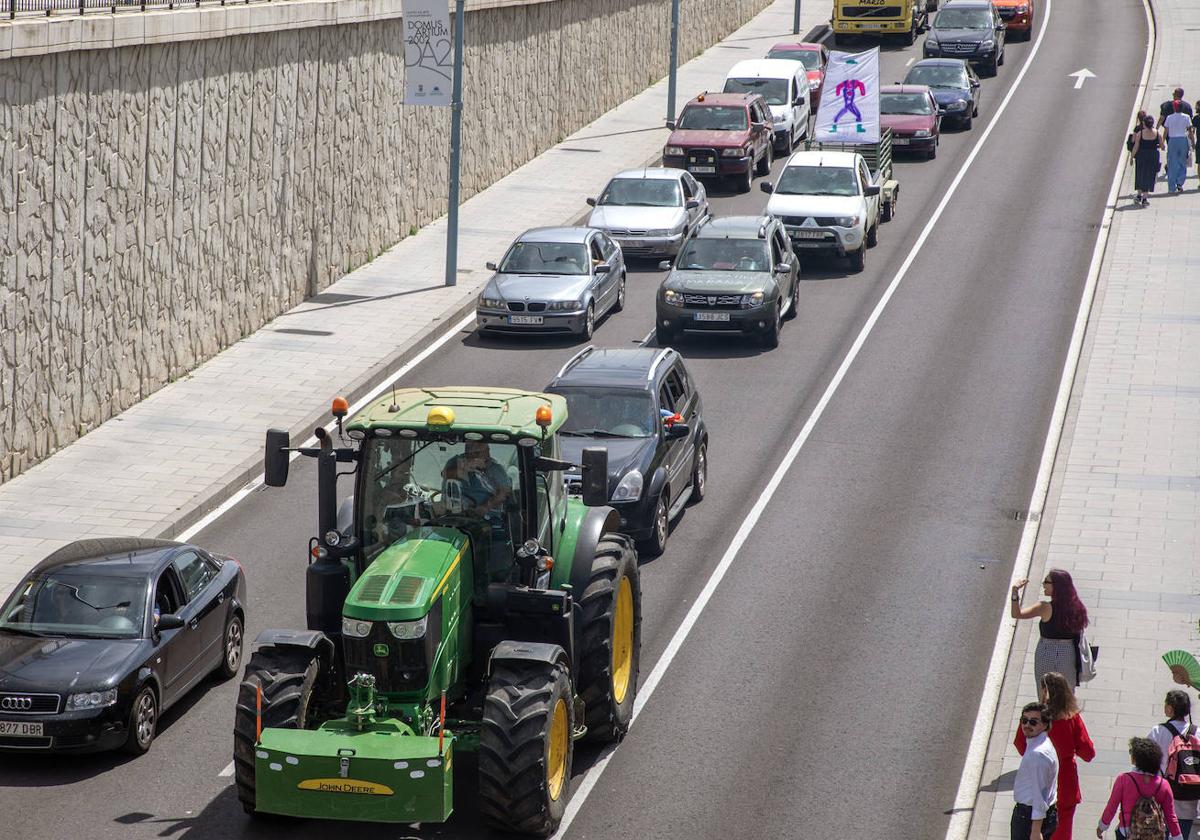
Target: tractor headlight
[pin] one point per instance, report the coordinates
(91, 700)
(408, 629)
(355, 628)
(333, 538)
(630, 487)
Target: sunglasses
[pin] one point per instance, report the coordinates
(1031, 721)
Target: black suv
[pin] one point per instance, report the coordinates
(970, 29)
(643, 406)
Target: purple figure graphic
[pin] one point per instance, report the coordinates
(849, 90)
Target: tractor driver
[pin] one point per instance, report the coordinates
(486, 487)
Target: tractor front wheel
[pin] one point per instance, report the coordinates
(525, 746)
(287, 678)
(612, 639)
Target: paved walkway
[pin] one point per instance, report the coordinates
(164, 463)
(1122, 515)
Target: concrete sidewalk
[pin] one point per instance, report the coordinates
(164, 463)
(1122, 514)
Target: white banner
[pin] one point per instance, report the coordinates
(849, 110)
(428, 52)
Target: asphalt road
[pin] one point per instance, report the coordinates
(829, 688)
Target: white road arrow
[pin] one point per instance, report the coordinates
(1081, 76)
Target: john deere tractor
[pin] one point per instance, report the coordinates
(457, 601)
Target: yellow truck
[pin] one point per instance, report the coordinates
(879, 18)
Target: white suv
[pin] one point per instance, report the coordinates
(784, 84)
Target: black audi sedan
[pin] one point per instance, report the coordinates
(105, 634)
(642, 405)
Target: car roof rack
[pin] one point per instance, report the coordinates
(666, 351)
(576, 359)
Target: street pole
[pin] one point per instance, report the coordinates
(796, 18)
(674, 59)
(455, 145)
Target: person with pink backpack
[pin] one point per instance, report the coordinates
(1144, 797)
(1180, 745)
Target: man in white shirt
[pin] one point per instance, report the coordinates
(1177, 129)
(1177, 708)
(1035, 816)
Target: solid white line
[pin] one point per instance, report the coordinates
(646, 689)
(228, 771)
(910, 61)
(224, 507)
(646, 340)
(968, 788)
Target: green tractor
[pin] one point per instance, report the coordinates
(458, 601)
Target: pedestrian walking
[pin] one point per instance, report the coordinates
(1168, 106)
(1070, 739)
(1178, 726)
(1035, 789)
(1061, 620)
(1196, 138)
(1144, 797)
(1137, 126)
(1147, 143)
(1179, 134)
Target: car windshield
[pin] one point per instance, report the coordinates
(811, 59)
(545, 258)
(817, 180)
(937, 75)
(73, 602)
(904, 103)
(412, 484)
(951, 18)
(713, 118)
(642, 192)
(724, 255)
(773, 90)
(608, 412)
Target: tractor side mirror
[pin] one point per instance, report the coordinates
(595, 476)
(276, 458)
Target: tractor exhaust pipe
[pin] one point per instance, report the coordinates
(328, 580)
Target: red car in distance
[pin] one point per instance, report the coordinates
(814, 57)
(911, 112)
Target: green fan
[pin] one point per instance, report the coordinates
(1184, 667)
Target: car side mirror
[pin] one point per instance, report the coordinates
(974, 83)
(692, 204)
(766, 187)
(591, 202)
(678, 430)
(665, 265)
(1000, 27)
(276, 458)
(782, 268)
(941, 111)
(603, 268)
(758, 126)
(671, 124)
(871, 190)
(169, 621)
(491, 266)
(799, 100)
(595, 476)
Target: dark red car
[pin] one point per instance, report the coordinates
(722, 135)
(911, 112)
(814, 57)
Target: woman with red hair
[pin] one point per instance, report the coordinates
(1061, 620)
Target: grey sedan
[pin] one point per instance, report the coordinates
(650, 211)
(554, 280)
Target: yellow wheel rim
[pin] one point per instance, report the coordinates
(622, 641)
(560, 738)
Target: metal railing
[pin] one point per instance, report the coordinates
(83, 7)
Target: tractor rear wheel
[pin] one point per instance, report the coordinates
(612, 639)
(525, 746)
(287, 677)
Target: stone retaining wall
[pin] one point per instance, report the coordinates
(160, 201)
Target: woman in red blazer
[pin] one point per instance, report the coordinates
(1070, 738)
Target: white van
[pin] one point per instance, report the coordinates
(784, 84)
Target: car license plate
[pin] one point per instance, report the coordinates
(20, 729)
(900, 141)
(703, 169)
(808, 234)
(524, 319)
(712, 316)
